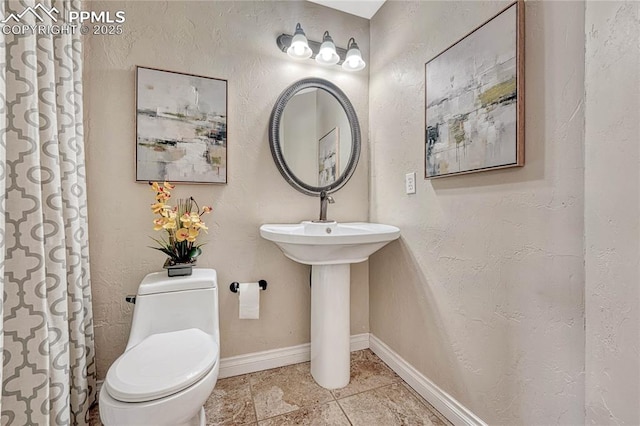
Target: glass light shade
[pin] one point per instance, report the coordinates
(327, 54)
(353, 61)
(299, 48)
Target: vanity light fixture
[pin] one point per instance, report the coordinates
(353, 61)
(299, 47)
(326, 53)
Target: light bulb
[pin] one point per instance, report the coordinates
(353, 61)
(299, 48)
(327, 55)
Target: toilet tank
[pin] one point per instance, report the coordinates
(165, 304)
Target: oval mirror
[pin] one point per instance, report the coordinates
(314, 136)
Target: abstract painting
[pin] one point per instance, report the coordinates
(328, 146)
(475, 99)
(181, 127)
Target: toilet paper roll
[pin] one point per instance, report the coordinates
(249, 300)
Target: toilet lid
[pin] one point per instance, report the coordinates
(161, 365)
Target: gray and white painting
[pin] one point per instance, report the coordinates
(181, 128)
(328, 157)
(471, 101)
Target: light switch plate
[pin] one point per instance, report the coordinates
(410, 183)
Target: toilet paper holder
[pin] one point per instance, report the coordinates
(235, 286)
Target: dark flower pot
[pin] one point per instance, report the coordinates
(176, 269)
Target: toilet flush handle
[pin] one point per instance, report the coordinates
(131, 298)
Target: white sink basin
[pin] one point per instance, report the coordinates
(330, 248)
(329, 243)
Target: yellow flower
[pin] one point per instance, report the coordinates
(163, 196)
(186, 220)
(170, 225)
(158, 223)
(193, 234)
(182, 234)
(159, 207)
(182, 227)
(170, 221)
(200, 225)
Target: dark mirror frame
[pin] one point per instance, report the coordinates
(274, 136)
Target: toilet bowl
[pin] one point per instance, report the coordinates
(171, 363)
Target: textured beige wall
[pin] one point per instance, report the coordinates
(484, 292)
(298, 136)
(612, 212)
(233, 41)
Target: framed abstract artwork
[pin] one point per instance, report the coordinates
(474, 99)
(181, 127)
(328, 147)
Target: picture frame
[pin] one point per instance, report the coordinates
(474, 99)
(181, 127)
(328, 161)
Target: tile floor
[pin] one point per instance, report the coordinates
(289, 396)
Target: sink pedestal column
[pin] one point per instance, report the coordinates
(330, 325)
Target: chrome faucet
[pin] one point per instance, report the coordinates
(325, 199)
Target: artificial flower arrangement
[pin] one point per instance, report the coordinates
(182, 224)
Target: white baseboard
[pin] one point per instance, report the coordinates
(457, 413)
(258, 361)
(359, 342)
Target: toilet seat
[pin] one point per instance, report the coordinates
(161, 365)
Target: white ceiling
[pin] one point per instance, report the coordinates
(363, 8)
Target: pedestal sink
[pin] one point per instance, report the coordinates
(330, 248)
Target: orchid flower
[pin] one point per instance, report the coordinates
(200, 225)
(158, 224)
(182, 234)
(181, 222)
(186, 220)
(193, 234)
(159, 207)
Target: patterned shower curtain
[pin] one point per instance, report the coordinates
(47, 342)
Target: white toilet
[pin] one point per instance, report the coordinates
(171, 362)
